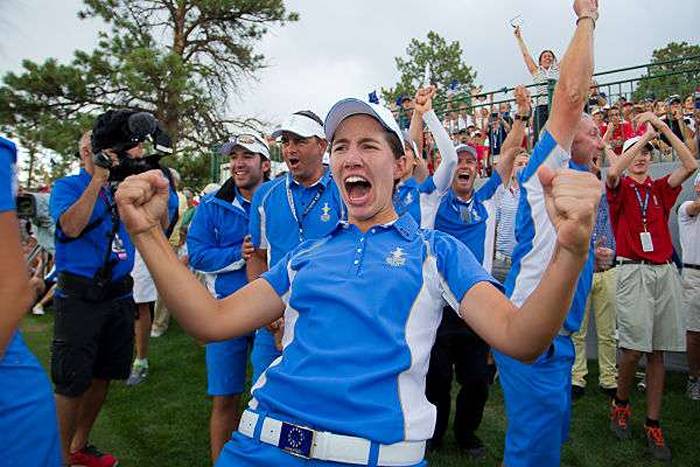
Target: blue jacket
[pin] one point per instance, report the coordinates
(215, 237)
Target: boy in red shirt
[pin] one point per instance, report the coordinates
(648, 284)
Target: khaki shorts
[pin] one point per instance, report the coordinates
(691, 298)
(649, 315)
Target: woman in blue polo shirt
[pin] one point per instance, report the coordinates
(28, 426)
(361, 307)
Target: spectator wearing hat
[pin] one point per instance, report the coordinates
(689, 232)
(648, 299)
(214, 243)
(302, 205)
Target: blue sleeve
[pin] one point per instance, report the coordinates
(458, 268)
(8, 157)
(205, 253)
(173, 205)
(488, 189)
(547, 151)
(428, 186)
(278, 275)
(63, 196)
(255, 222)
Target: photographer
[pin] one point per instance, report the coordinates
(94, 324)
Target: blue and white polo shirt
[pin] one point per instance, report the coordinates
(472, 222)
(420, 200)
(537, 237)
(362, 310)
(278, 226)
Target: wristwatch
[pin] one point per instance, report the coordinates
(524, 118)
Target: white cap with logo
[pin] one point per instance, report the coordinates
(250, 141)
(345, 108)
(302, 124)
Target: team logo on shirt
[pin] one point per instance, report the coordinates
(409, 198)
(325, 217)
(396, 258)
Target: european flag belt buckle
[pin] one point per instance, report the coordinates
(296, 440)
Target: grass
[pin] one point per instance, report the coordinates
(165, 420)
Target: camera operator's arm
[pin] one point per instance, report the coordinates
(141, 200)
(76, 217)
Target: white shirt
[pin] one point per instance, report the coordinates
(689, 232)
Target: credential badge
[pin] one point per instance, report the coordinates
(325, 217)
(396, 258)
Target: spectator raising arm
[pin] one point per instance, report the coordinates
(511, 144)
(623, 161)
(424, 107)
(529, 61)
(576, 68)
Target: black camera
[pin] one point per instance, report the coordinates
(122, 130)
(26, 206)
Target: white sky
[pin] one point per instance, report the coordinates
(347, 48)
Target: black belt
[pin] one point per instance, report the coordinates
(622, 262)
(88, 289)
(691, 266)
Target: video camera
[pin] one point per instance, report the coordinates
(122, 130)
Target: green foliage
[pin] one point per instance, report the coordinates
(178, 59)
(682, 84)
(446, 65)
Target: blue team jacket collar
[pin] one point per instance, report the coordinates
(229, 197)
(405, 225)
(579, 167)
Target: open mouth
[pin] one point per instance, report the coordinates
(357, 188)
(293, 162)
(463, 177)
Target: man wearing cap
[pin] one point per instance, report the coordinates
(538, 396)
(94, 325)
(469, 216)
(689, 232)
(214, 243)
(303, 205)
(675, 119)
(421, 199)
(648, 287)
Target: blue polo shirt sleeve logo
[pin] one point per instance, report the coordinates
(325, 217)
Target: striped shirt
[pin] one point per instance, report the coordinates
(541, 77)
(505, 218)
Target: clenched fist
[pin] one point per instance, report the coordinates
(142, 201)
(572, 199)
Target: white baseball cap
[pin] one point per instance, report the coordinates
(345, 108)
(250, 141)
(303, 124)
(465, 148)
(630, 142)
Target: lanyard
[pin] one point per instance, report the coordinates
(293, 209)
(642, 205)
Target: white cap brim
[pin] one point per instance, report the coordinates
(256, 147)
(300, 125)
(345, 108)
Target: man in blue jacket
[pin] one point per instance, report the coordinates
(214, 241)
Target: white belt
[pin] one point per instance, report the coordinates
(305, 442)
